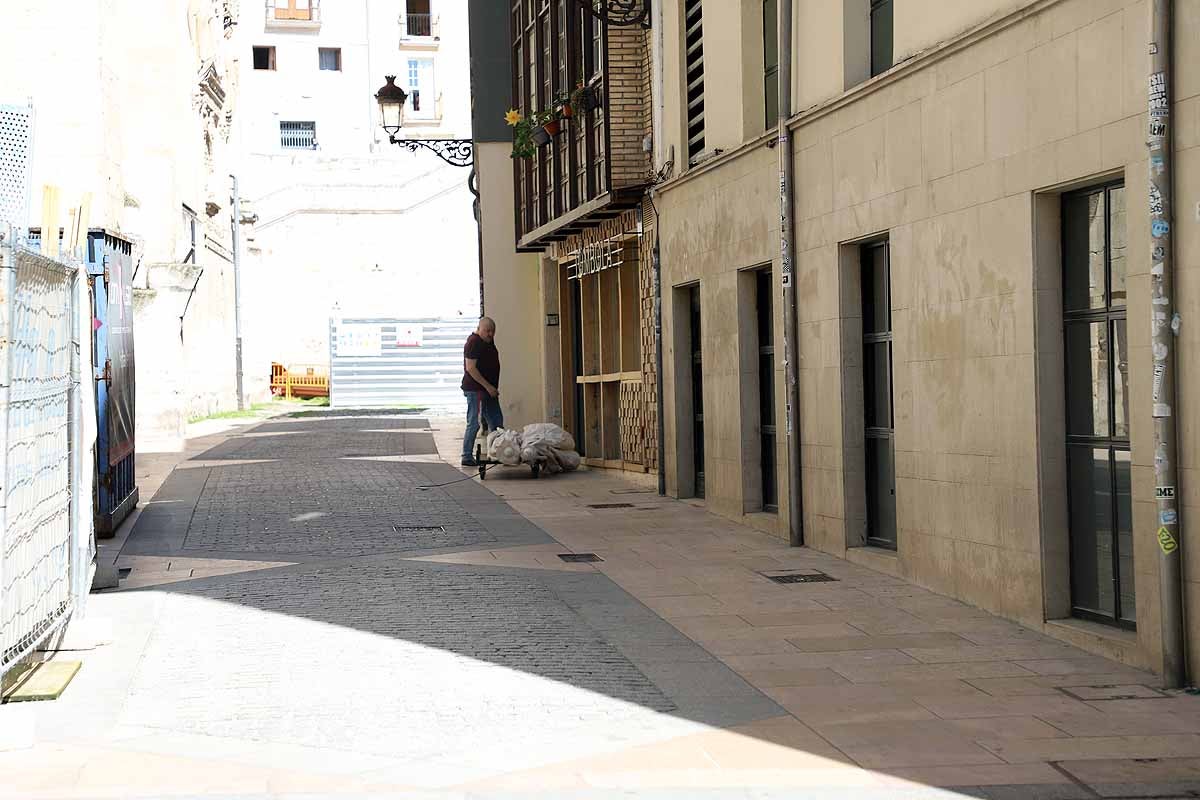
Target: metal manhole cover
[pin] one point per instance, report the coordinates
(610, 505)
(799, 577)
(418, 529)
(580, 558)
(1112, 691)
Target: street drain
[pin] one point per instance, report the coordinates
(124, 572)
(418, 529)
(800, 577)
(1119, 691)
(580, 558)
(610, 505)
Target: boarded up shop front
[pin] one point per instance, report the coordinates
(607, 343)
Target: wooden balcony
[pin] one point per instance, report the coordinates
(596, 167)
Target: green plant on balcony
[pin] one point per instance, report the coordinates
(581, 99)
(534, 131)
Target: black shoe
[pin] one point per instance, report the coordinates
(470, 462)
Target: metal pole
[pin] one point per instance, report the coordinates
(237, 290)
(1164, 329)
(660, 422)
(786, 234)
(477, 208)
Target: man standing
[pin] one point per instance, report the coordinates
(481, 385)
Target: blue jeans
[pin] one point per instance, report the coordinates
(491, 413)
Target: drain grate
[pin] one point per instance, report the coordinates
(799, 577)
(580, 558)
(1123, 691)
(418, 529)
(610, 505)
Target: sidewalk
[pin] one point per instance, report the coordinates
(886, 674)
(321, 606)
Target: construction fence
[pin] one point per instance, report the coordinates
(46, 532)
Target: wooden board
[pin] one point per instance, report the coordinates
(45, 681)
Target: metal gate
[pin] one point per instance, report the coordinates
(109, 262)
(44, 546)
(382, 363)
(110, 275)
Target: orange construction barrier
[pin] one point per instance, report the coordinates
(299, 380)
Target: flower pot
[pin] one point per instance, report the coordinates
(539, 137)
(552, 127)
(567, 111)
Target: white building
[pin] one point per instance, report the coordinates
(150, 145)
(344, 221)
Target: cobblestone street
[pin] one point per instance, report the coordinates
(304, 616)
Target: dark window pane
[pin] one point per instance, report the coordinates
(881, 492)
(766, 389)
(766, 317)
(878, 384)
(769, 476)
(1117, 245)
(1087, 378)
(1083, 251)
(771, 98)
(1125, 535)
(1091, 502)
(876, 312)
(264, 58)
(881, 36)
(770, 34)
(1120, 350)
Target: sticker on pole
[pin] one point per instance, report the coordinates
(1168, 517)
(1164, 493)
(1166, 541)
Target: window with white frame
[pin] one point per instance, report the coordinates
(330, 59)
(422, 93)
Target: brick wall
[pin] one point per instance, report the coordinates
(628, 101)
(649, 393)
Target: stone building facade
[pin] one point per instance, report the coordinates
(151, 148)
(972, 263)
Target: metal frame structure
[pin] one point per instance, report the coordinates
(455, 152)
(619, 13)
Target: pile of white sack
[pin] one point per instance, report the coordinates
(541, 442)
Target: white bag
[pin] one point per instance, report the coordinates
(505, 446)
(554, 436)
(569, 460)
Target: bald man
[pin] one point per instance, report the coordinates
(481, 385)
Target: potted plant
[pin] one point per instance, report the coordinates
(550, 122)
(584, 98)
(563, 101)
(523, 129)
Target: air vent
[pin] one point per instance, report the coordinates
(580, 558)
(798, 577)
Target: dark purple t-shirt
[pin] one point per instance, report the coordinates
(487, 361)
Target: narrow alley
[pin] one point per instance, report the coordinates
(320, 605)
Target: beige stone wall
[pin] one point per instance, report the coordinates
(958, 156)
(512, 291)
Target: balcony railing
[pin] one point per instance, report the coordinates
(298, 135)
(419, 26)
(293, 13)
